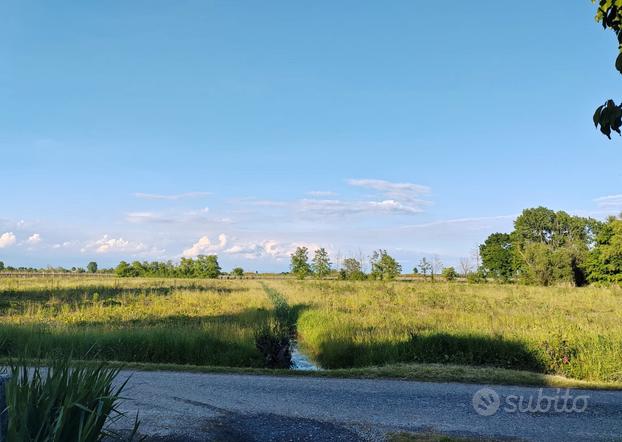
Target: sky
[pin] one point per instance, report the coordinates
(144, 130)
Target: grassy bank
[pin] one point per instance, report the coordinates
(571, 332)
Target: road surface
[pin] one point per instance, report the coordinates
(201, 407)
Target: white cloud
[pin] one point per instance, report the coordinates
(148, 217)
(609, 202)
(7, 239)
(34, 239)
(204, 246)
(199, 216)
(321, 193)
(394, 190)
(267, 249)
(172, 197)
(340, 208)
(387, 198)
(66, 245)
(114, 245)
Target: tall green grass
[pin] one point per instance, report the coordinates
(199, 323)
(575, 332)
(62, 403)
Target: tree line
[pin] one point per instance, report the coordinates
(544, 248)
(548, 247)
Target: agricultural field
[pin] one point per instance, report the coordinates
(574, 332)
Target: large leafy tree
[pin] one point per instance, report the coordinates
(384, 266)
(497, 256)
(321, 263)
(206, 266)
(609, 115)
(352, 269)
(551, 246)
(299, 264)
(605, 261)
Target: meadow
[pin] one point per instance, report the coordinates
(575, 332)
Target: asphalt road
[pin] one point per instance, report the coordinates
(199, 407)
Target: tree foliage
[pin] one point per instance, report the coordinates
(546, 247)
(321, 263)
(450, 273)
(299, 264)
(498, 256)
(92, 267)
(604, 264)
(352, 269)
(200, 267)
(552, 247)
(609, 115)
(384, 266)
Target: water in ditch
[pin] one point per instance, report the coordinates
(300, 361)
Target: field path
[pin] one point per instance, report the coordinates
(196, 407)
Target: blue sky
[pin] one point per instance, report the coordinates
(157, 129)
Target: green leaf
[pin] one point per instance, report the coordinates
(596, 117)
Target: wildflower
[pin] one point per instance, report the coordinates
(566, 360)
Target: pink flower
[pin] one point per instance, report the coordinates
(566, 360)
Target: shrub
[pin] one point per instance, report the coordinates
(273, 342)
(62, 403)
(449, 273)
(477, 277)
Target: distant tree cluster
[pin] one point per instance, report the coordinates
(548, 247)
(383, 266)
(200, 267)
(301, 268)
(91, 268)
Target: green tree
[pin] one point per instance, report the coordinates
(206, 267)
(321, 263)
(123, 269)
(384, 266)
(450, 273)
(92, 267)
(238, 272)
(551, 247)
(609, 115)
(498, 256)
(299, 265)
(604, 264)
(1, 266)
(352, 270)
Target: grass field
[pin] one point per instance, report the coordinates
(575, 332)
(342, 325)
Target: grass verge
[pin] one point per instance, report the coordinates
(409, 372)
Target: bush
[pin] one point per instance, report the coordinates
(449, 273)
(478, 277)
(274, 343)
(62, 403)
